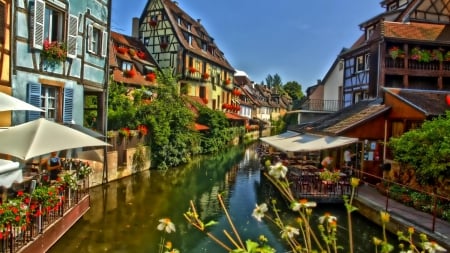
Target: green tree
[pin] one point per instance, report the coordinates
(121, 110)
(427, 149)
(173, 139)
(274, 82)
(294, 90)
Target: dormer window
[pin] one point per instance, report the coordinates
(179, 20)
(204, 46)
(126, 65)
(190, 40)
(369, 32)
(189, 27)
(360, 63)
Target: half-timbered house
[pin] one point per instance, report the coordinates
(5, 56)
(179, 42)
(60, 50)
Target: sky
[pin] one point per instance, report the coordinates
(296, 39)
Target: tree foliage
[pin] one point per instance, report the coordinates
(218, 135)
(427, 149)
(294, 90)
(274, 82)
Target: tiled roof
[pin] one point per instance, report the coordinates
(233, 116)
(198, 33)
(345, 119)
(431, 103)
(417, 31)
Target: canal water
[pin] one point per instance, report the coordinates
(124, 214)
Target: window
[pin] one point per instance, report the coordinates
(49, 102)
(367, 61)
(190, 40)
(49, 23)
(55, 101)
(359, 63)
(126, 66)
(96, 41)
(189, 27)
(369, 32)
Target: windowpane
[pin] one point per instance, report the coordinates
(49, 102)
(53, 25)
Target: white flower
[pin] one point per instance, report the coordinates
(327, 217)
(166, 225)
(303, 203)
(433, 247)
(289, 231)
(259, 211)
(278, 170)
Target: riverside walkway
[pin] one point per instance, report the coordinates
(370, 202)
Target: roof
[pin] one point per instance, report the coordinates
(233, 116)
(431, 103)
(197, 31)
(347, 118)
(307, 142)
(417, 31)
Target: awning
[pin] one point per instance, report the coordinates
(233, 116)
(9, 173)
(307, 142)
(200, 127)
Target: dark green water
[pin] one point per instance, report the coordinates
(124, 214)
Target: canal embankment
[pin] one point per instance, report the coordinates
(370, 202)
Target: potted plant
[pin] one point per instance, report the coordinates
(84, 170)
(124, 132)
(130, 72)
(121, 49)
(436, 55)
(205, 76)
(192, 70)
(143, 130)
(228, 81)
(47, 197)
(330, 176)
(395, 52)
(151, 76)
(54, 52)
(141, 54)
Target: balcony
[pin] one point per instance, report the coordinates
(414, 67)
(320, 105)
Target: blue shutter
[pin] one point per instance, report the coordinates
(34, 98)
(68, 105)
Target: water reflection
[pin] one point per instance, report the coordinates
(124, 214)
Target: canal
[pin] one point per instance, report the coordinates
(124, 214)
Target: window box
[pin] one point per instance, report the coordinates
(54, 52)
(129, 73)
(121, 50)
(151, 77)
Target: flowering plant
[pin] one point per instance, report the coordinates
(131, 52)
(14, 212)
(122, 49)
(420, 55)
(47, 196)
(54, 52)
(436, 55)
(205, 76)
(151, 77)
(192, 70)
(228, 81)
(130, 73)
(395, 52)
(84, 170)
(140, 54)
(124, 131)
(327, 175)
(143, 130)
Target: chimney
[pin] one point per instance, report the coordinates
(135, 28)
(198, 20)
(175, 2)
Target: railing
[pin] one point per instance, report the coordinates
(14, 238)
(321, 105)
(436, 205)
(399, 63)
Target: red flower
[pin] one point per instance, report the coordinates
(153, 23)
(143, 130)
(205, 76)
(121, 49)
(228, 81)
(192, 70)
(130, 73)
(151, 77)
(141, 54)
(19, 193)
(205, 100)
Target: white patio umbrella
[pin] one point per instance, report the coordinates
(41, 137)
(10, 172)
(9, 103)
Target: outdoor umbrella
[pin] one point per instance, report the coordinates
(41, 137)
(9, 103)
(10, 172)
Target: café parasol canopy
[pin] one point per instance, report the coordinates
(10, 103)
(10, 172)
(41, 137)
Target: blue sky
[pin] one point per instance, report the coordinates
(296, 39)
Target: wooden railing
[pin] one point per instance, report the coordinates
(399, 63)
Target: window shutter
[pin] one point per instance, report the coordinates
(104, 43)
(34, 98)
(68, 105)
(72, 36)
(89, 39)
(38, 23)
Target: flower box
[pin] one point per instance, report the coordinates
(205, 76)
(54, 52)
(192, 70)
(396, 52)
(228, 81)
(121, 50)
(129, 73)
(151, 77)
(141, 54)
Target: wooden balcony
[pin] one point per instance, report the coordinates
(402, 66)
